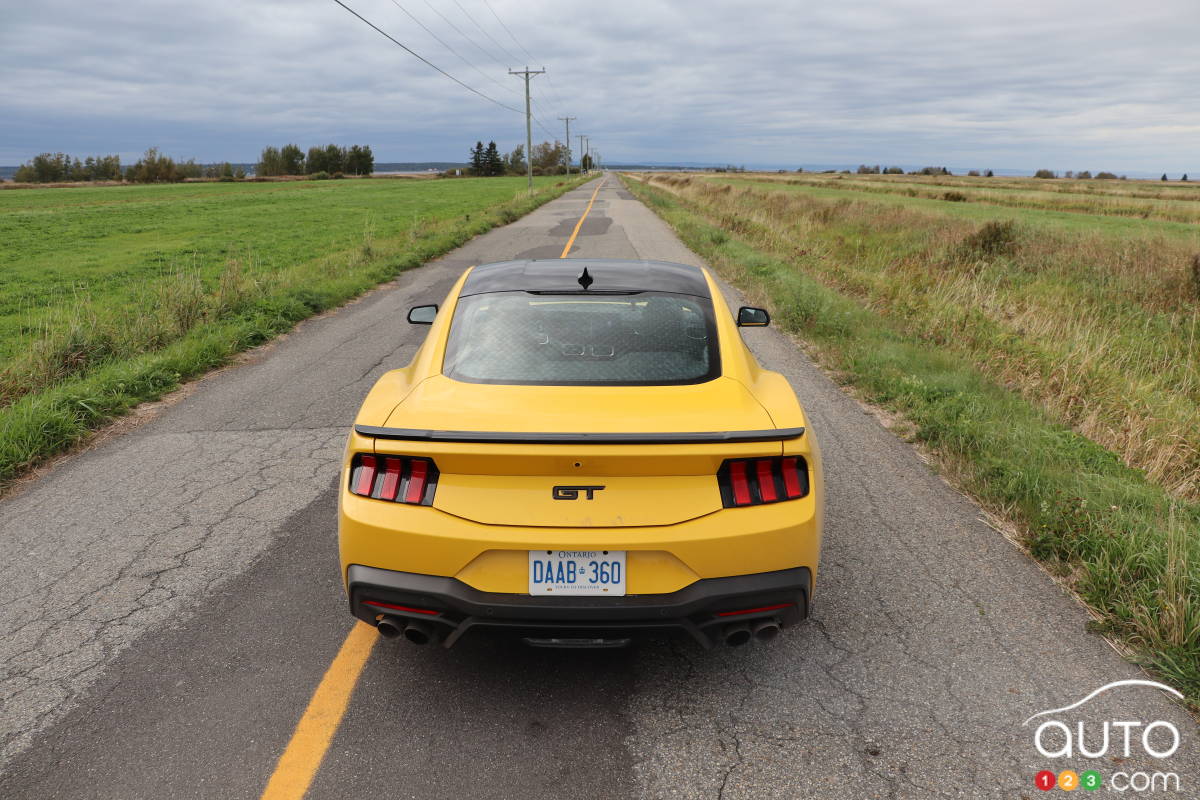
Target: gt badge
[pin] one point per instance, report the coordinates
(572, 492)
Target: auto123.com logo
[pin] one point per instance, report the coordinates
(1061, 735)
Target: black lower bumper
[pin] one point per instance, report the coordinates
(701, 610)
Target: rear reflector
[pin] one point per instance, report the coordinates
(755, 481)
(394, 607)
(741, 611)
(401, 479)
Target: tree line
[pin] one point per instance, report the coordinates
(152, 167)
(155, 167)
(488, 161)
(328, 160)
(1082, 175)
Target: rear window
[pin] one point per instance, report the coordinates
(593, 340)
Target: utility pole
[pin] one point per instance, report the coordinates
(528, 73)
(568, 121)
(587, 145)
(581, 138)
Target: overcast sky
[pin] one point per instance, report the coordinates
(1062, 84)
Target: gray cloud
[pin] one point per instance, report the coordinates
(1063, 84)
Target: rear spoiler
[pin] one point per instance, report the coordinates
(499, 437)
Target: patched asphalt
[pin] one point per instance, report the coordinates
(170, 599)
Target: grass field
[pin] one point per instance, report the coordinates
(1177, 202)
(112, 295)
(1054, 369)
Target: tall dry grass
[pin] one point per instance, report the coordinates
(922, 315)
(1104, 336)
(1176, 205)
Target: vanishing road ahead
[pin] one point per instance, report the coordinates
(170, 601)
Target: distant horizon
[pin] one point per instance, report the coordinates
(7, 170)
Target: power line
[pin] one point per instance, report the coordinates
(553, 89)
(458, 30)
(503, 49)
(477, 46)
(471, 40)
(506, 30)
(417, 55)
(451, 49)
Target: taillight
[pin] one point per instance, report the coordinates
(755, 481)
(400, 479)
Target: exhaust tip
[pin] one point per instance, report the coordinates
(390, 627)
(737, 635)
(418, 633)
(766, 630)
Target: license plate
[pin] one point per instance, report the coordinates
(575, 572)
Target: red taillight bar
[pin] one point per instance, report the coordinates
(416, 482)
(791, 477)
(755, 481)
(737, 479)
(400, 479)
(364, 476)
(741, 611)
(391, 478)
(766, 480)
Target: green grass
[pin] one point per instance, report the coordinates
(112, 296)
(1128, 547)
(108, 243)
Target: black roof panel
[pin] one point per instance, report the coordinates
(554, 275)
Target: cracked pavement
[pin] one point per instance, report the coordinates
(170, 598)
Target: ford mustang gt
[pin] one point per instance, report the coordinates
(581, 451)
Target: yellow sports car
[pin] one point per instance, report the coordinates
(581, 451)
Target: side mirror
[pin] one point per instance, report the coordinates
(422, 315)
(748, 317)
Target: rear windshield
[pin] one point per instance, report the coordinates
(595, 340)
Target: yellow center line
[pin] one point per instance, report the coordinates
(316, 728)
(310, 740)
(579, 224)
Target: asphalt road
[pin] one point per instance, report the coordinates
(169, 601)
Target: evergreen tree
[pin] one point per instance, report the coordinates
(477, 159)
(1184, 178)
(315, 162)
(493, 164)
(291, 160)
(1164, 177)
(335, 158)
(269, 163)
(367, 160)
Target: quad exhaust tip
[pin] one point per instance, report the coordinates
(737, 634)
(418, 632)
(765, 630)
(414, 631)
(390, 627)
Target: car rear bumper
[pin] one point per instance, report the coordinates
(701, 610)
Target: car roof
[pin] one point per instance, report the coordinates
(561, 275)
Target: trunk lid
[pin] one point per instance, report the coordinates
(578, 484)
